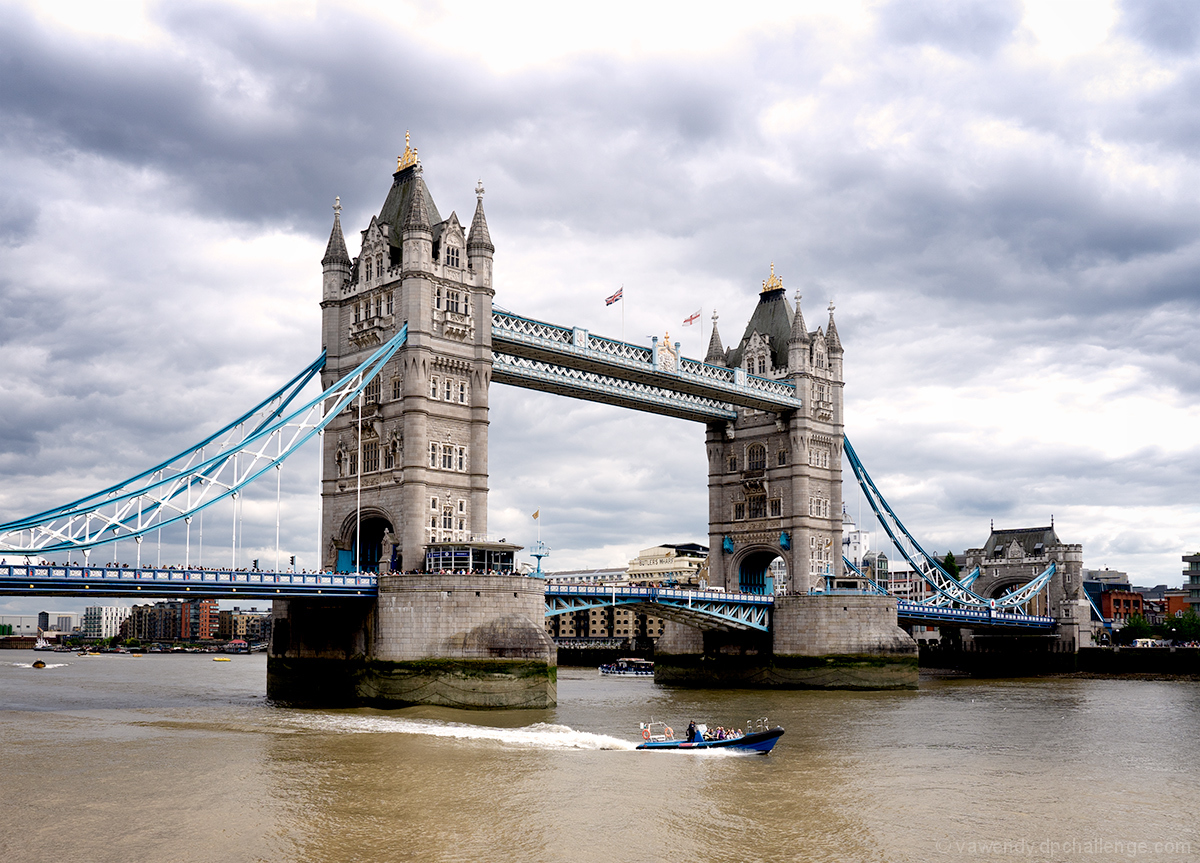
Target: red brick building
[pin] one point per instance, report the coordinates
(1121, 604)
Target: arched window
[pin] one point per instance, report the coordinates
(379, 265)
(756, 457)
(368, 273)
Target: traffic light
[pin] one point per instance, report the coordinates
(293, 560)
(256, 563)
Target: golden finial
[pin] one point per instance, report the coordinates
(773, 282)
(409, 157)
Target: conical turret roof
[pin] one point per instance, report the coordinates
(335, 249)
(417, 217)
(716, 351)
(831, 333)
(479, 239)
(799, 328)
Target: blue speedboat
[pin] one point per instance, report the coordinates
(759, 736)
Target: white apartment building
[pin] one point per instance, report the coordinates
(103, 621)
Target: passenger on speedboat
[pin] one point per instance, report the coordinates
(692, 735)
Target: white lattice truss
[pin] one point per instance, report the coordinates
(612, 369)
(215, 469)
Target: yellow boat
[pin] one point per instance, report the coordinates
(222, 659)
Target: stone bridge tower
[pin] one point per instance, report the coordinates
(775, 481)
(414, 470)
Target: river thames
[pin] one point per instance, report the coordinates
(179, 758)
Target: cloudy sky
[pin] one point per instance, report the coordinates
(999, 198)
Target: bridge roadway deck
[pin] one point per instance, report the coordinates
(705, 609)
(192, 583)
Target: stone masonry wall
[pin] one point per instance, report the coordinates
(427, 616)
(845, 625)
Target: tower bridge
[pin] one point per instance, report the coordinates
(410, 346)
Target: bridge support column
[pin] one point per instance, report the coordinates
(470, 641)
(842, 642)
(816, 642)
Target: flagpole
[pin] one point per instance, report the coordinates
(622, 311)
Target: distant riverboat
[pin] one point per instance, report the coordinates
(630, 667)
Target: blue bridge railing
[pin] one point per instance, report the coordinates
(194, 583)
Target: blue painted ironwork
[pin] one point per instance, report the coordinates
(704, 609)
(181, 487)
(195, 583)
(949, 589)
(573, 361)
(921, 612)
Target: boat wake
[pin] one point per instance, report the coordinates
(540, 735)
(47, 665)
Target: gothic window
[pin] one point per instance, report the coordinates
(462, 524)
(447, 519)
(389, 458)
(762, 365)
(818, 455)
(732, 463)
(448, 390)
(756, 457)
(397, 388)
(379, 265)
(357, 312)
(433, 522)
(739, 511)
(353, 463)
(452, 298)
(781, 457)
(820, 360)
(368, 266)
(371, 391)
(433, 388)
(447, 457)
(462, 392)
(433, 455)
(462, 460)
(433, 503)
(462, 506)
(438, 298)
(452, 256)
(391, 302)
(758, 505)
(370, 456)
(776, 507)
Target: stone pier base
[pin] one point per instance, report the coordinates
(457, 641)
(817, 642)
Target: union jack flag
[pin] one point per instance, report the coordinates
(615, 297)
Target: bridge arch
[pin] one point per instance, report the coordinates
(754, 572)
(375, 521)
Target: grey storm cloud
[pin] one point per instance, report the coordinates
(950, 196)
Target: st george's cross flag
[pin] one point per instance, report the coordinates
(692, 318)
(615, 297)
